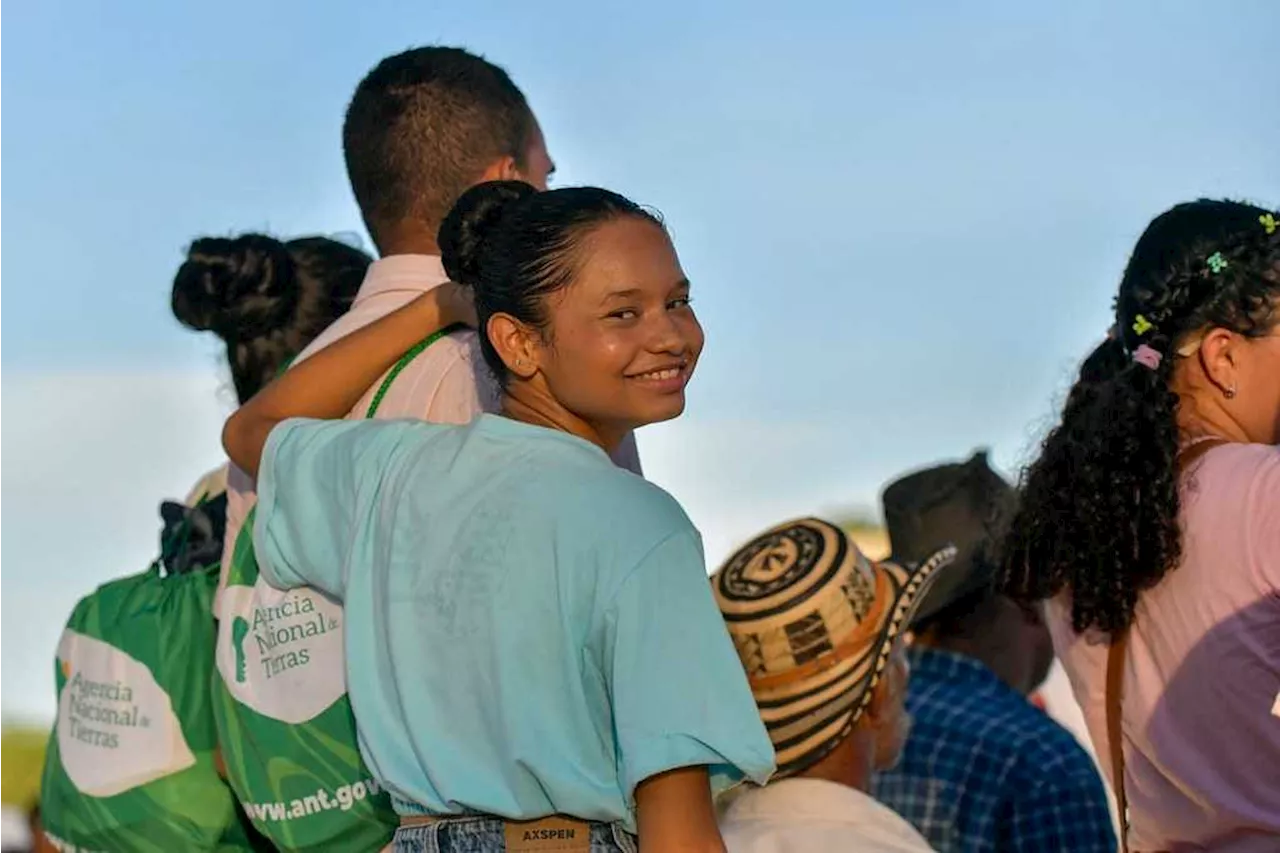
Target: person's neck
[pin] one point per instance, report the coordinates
(523, 402)
(1201, 415)
(850, 764)
(408, 238)
(1198, 423)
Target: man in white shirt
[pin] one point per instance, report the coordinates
(818, 628)
(423, 126)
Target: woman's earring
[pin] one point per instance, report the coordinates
(1230, 393)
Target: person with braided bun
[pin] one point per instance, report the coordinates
(534, 656)
(1151, 524)
(265, 299)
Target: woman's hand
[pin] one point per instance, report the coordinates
(329, 383)
(674, 813)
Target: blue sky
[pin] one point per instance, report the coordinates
(903, 222)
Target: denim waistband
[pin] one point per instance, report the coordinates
(484, 834)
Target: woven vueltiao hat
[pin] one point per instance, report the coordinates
(814, 621)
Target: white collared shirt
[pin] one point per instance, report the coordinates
(814, 816)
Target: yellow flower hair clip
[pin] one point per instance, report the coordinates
(1268, 221)
(1141, 325)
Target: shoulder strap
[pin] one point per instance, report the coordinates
(403, 363)
(1115, 684)
(1115, 672)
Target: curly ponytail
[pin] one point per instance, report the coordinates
(1098, 514)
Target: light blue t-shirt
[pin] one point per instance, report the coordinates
(529, 629)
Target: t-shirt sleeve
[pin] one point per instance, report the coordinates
(317, 486)
(680, 695)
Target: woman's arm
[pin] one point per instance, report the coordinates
(674, 813)
(328, 384)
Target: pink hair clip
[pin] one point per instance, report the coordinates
(1147, 357)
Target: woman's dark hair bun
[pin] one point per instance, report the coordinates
(473, 220)
(239, 288)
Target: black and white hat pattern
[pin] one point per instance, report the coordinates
(814, 622)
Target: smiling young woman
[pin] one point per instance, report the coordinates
(530, 632)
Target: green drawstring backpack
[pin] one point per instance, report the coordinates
(284, 720)
(130, 764)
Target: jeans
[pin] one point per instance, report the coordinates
(487, 835)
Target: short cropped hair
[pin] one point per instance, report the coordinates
(422, 127)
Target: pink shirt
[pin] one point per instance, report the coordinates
(448, 383)
(1201, 707)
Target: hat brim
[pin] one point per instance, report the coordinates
(815, 712)
(964, 577)
(922, 578)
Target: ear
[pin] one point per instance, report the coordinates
(502, 169)
(517, 344)
(1219, 358)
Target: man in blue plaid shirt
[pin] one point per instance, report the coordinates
(983, 769)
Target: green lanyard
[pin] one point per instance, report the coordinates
(403, 363)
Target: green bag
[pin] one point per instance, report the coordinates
(285, 725)
(130, 764)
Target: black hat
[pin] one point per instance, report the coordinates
(961, 504)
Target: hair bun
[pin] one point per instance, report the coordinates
(238, 288)
(474, 218)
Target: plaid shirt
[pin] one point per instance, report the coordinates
(984, 770)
